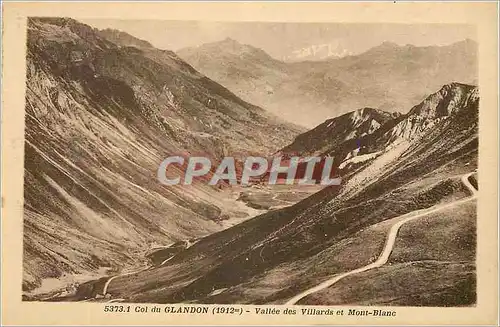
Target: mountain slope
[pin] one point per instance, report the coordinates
(350, 126)
(384, 77)
(103, 110)
(273, 257)
(436, 107)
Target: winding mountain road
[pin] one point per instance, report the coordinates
(382, 259)
(389, 244)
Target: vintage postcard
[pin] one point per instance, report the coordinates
(249, 163)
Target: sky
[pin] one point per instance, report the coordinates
(285, 40)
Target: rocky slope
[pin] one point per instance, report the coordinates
(335, 131)
(103, 109)
(389, 77)
(360, 136)
(273, 257)
(438, 106)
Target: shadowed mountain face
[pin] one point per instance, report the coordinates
(274, 257)
(103, 110)
(388, 77)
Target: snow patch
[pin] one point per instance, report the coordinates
(218, 291)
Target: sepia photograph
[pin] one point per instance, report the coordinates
(395, 107)
(264, 165)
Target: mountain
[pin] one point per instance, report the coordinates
(365, 132)
(273, 258)
(436, 107)
(103, 110)
(389, 77)
(350, 126)
(233, 60)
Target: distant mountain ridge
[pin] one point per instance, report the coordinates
(388, 76)
(103, 109)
